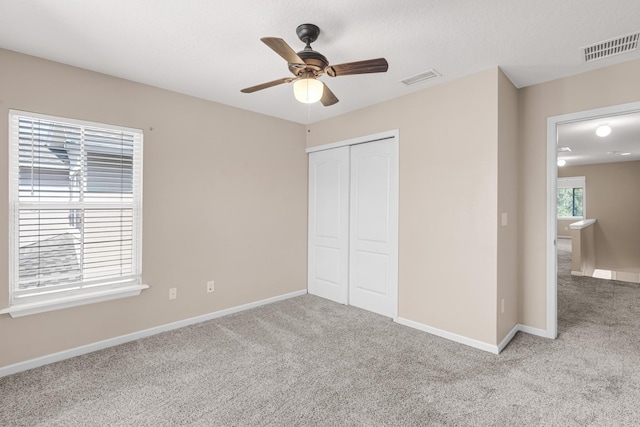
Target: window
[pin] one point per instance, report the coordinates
(571, 200)
(75, 212)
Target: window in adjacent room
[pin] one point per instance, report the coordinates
(75, 195)
(571, 197)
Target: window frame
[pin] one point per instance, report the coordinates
(31, 300)
(573, 182)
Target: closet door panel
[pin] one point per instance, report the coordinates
(373, 227)
(328, 255)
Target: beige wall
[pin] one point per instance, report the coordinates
(448, 199)
(613, 198)
(563, 229)
(507, 204)
(225, 196)
(604, 87)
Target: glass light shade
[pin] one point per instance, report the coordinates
(308, 90)
(603, 131)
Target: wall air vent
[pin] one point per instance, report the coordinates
(427, 75)
(611, 47)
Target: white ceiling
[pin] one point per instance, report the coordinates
(588, 148)
(211, 49)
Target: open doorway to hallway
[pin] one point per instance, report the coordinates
(593, 210)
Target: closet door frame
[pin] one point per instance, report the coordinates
(395, 135)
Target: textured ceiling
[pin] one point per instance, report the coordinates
(588, 148)
(212, 49)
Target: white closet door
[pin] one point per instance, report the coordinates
(329, 224)
(373, 275)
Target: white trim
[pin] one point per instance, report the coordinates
(94, 125)
(571, 182)
(506, 340)
(533, 331)
(449, 335)
(552, 229)
(395, 133)
(495, 349)
(582, 224)
(26, 309)
(552, 175)
(77, 351)
(395, 210)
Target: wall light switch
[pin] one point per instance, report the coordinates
(173, 293)
(504, 219)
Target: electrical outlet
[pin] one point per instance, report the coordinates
(210, 287)
(173, 293)
(502, 306)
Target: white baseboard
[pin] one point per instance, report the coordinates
(495, 349)
(77, 351)
(508, 338)
(450, 336)
(533, 331)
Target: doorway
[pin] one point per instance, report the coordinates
(353, 223)
(553, 124)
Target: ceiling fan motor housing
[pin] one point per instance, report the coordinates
(315, 63)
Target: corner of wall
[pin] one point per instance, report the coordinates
(507, 304)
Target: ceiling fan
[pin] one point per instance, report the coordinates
(308, 65)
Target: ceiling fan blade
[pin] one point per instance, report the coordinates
(379, 65)
(267, 85)
(328, 98)
(281, 47)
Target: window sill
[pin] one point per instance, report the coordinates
(26, 309)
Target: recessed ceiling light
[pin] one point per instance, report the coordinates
(562, 162)
(625, 154)
(603, 131)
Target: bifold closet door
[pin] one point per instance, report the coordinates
(328, 264)
(373, 266)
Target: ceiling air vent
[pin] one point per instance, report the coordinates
(611, 47)
(427, 75)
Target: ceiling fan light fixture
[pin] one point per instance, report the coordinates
(603, 131)
(308, 90)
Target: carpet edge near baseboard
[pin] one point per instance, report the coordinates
(461, 339)
(111, 342)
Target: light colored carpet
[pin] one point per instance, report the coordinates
(308, 361)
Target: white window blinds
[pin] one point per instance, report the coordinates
(76, 206)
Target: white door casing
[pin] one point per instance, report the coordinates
(328, 263)
(373, 225)
(552, 188)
